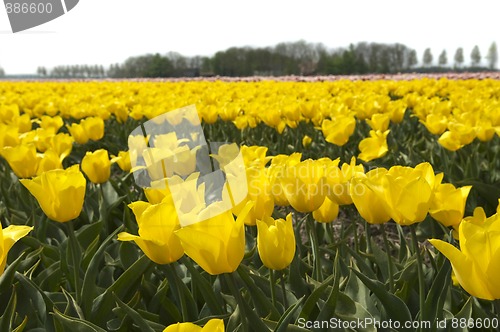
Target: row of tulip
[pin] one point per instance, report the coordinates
(459, 111)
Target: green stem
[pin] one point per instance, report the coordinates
(283, 289)
(496, 305)
(239, 300)
(73, 247)
(389, 258)
(174, 279)
(272, 282)
(355, 231)
(420, 271)
(368, 238)
(313, 238)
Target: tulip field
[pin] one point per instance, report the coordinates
(265, 205)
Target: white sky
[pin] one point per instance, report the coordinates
(109, 31)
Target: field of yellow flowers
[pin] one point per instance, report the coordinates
(352, 205)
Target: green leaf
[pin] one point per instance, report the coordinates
(261, 301)
(437, 295)
(68, 323)
(348, 310)
(89, 287)
(205, 288)
(42, 304)
(7, 318)
(136, 317)
(284, 321)
(395, 308)
(329, 307)
(7, 278)
(312, 300)
(21, 326)
(104, 302)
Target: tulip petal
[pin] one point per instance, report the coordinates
(465, 270)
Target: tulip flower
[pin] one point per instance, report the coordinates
(436, 123)
(93, 127)
(259, 191)
(48, 161)
(327, 212)
(123, 161)
(337, 131)
(476, 263)
(339, 179)
(379, 122)
(62, 144)
(404, 193)
(53, 122)
(60, 193)
(306, 141)
(157, 223)
(448, 204)
(217, 243)
(9, 236)
(276, 171)
(367, 202)
(304, 185)
(77, 131)
(213, 325)
(22, 159)
(375, 146)
(276, 242)
(97, 166)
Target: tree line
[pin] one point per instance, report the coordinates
(294, 58)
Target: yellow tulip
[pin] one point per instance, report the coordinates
(77, 131)
(254, 155)
(276, 172)
(368, 204)
(123, 161)
(213, 325)
(374, 147)
(338, 130)
(157, 223)
(404, 193)
(54, 122)
(450, 140)
(327, 212)
(436, 123)
(48, 161)
(276, 242)
(476, 264)
(379, 121)
(94, 127)
(304, 185)
(216, 244)
(22, 159)
(60, 193)
(259, 191)
(448, 204)
(339, 179)
(9, 236)
(306, 141)
(62, 144)
(97, 166)
(9, 136)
